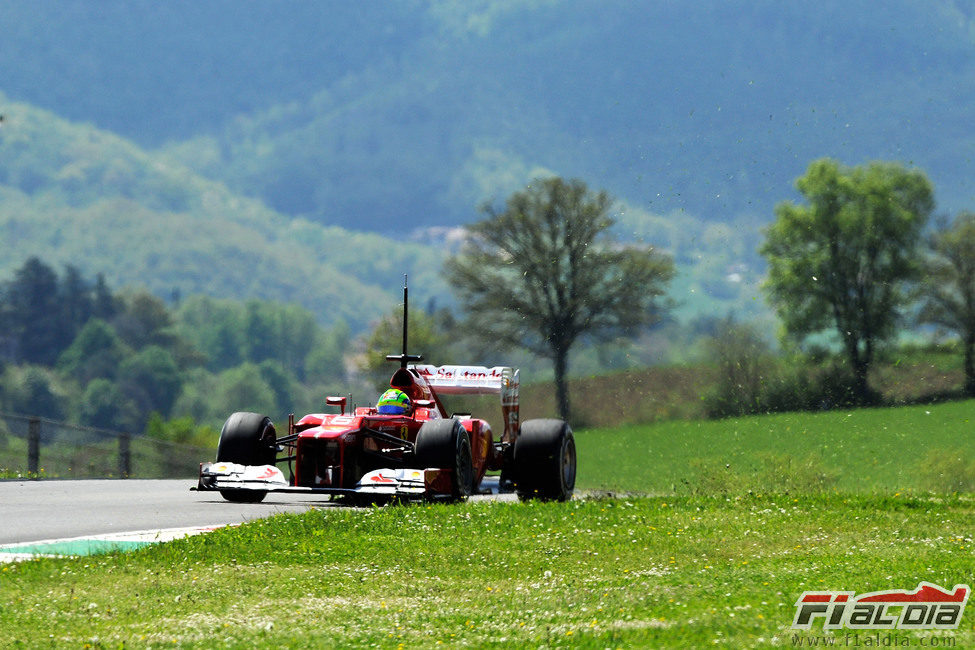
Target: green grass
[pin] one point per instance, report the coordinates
(744, 515)
(906, 449)
(645, 572)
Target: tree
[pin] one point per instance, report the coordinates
(843, 260)
(96, 352)
(229, 333)
(144, 320)
(31, 390)
(75, 298)
(546, 272)
(283, 332)
(214, 327)
(103, 405)
(104, 304)
(949, 287)
(427, 336)
(150, 378)
(280, 381)
(326, 360)
(183, 431)
(244, 389)
(260, 327)
(744, 361)
(32, 313)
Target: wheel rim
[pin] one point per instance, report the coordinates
(569, 464)
(464, 470)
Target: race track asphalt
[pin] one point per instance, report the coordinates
(53, 509)
(32, 511)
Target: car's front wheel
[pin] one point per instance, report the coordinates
(445, 444)
(246, 439)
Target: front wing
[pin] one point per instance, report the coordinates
(416, 483)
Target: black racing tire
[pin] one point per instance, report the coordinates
(247, 439)
(445, 444)
(545, 461)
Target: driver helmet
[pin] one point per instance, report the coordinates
(393, 402)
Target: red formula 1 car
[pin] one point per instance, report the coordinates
(421, 453)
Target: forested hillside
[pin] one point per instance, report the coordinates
(79, 196)
(361, 112)
(707, 108)
(245, 148)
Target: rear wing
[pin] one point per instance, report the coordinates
(478, 380)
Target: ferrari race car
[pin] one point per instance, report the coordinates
(421, 453)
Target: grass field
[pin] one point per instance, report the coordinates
(644, 572)
(744, 515)
(906, 449)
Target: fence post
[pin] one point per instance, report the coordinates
(33, 447)
(124, 455)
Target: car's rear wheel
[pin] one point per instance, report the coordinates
(545, 460)
(246, 439)
(445, 444)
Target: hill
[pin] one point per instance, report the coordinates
(374, 114)
(402, 118)
(75, 195)
(700, 108)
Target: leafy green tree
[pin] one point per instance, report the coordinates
(144, 320)
(325, 362)
(31, 390)
(229, 333)
(260, 329)
(298, 332)
(949, 287)
(196, 398)
(842, 260)
(151, 379)
(40, 313)
(280, 381)
(546, 272)
(181, 430)
(215, 327)
(244, 389)
(97, 351)
(104, 406)
(285, 333)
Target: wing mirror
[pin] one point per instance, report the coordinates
(336, 401)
